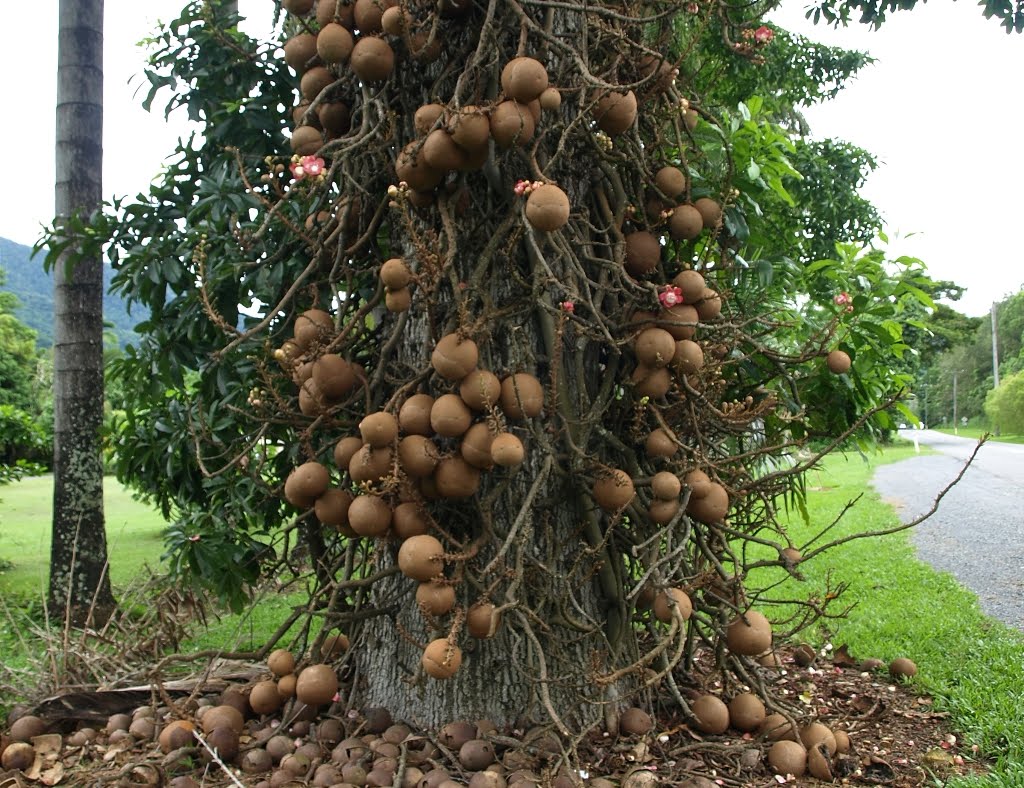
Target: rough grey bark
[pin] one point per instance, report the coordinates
(79, 582)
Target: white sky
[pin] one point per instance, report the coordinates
(939, 109)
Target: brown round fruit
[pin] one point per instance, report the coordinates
(547, 208)
(480, 618)
(398, 300)
(335, 117)
(654, 347)
(670, 600)
(453, 357)
(370, 465)
(313, 325)
(306, 140)
(264, 698)
(299, 50)
(522, 396)
(315, 81)
(660, 444)
(455, 478)
(317, 685)
(689, 357)
(395, 274)
(661, 512)
(175, 735)
(334, 43)
(441, 659)
(27, 728)
(369, 515)
(776, 727)
(223, 716)
(368, 14)
(816, 733)
(613, 490)
(615, 112)
(643, 252)
(680, 321)
(838, 362)
(305, 484)
(334, 376)
(749, 637)
(902, 668)
(281, 662)
(441, 152)
(512, 124)
(550, 99)
(666, 485)
(710, 714)
(450, 417)
(470, 128)
(712, 507)
(436, 599)
(524, 79)
(710, 212)
(691, 284)
(787, 757)
(421, 557)
(414, 415)
(426, 116)
(476, 446)
(372, 59)
(746, 712)
(418, 456)
(480, 389)
(635, 722)
(670, 181)
(507, 450)
(18, 756)
(408, 520)
(685, 223)
(710, 305)
(379, 429)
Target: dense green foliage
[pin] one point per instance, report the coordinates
(1004, 406)
(1009, 13)
(961, 348)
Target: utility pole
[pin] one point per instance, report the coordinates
(956, 424)
(995, 358)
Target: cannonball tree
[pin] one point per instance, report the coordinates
(507, 376)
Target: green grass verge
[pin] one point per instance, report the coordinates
(134, 534)
(972, 666)
(975, 433)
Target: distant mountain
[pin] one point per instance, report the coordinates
(26, 278)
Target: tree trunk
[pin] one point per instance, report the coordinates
(79, 580)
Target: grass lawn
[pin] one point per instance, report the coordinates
(134, 535)
(975, 433)
(972, 665)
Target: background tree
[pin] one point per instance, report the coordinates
(79, 582)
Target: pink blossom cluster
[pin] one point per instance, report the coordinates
(525, 187)
(568, 306)
(307, 167)
(844, 299)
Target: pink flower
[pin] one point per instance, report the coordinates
(842, 298)
(521, 188)
(313, 165)
(763, 35)
(194, 538)
(670, 296)
(568, 306)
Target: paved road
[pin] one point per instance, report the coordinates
(978, 532)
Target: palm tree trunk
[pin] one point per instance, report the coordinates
(79, 581)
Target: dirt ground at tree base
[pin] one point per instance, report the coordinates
(897, 739)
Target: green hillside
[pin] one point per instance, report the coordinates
(26, 278)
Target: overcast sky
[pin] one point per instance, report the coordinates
(940, 110)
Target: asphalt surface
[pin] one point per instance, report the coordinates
(977, 534)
